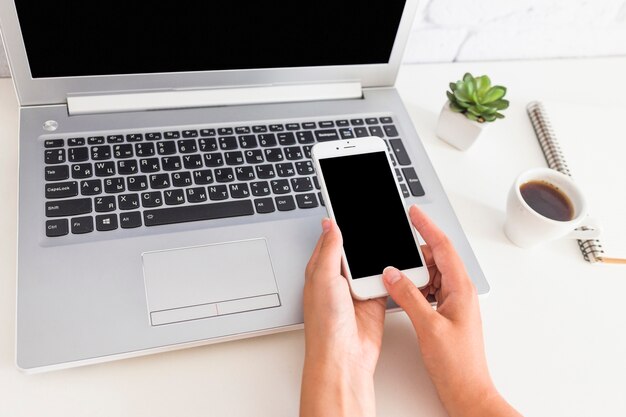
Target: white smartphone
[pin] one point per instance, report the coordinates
(362, 194)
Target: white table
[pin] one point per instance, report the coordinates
(555, 326)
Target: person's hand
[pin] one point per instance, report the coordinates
(342, 336)
(450, 338)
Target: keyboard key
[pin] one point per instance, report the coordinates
(305, 137)
(80, 171)
(144, 149)
(376, 131)
(104, 204)
(128, 167)
(286, 138)
(82, 225)
(254, 156)
(316, 183)
(346, 133)
(247, 141)
(267, 139)
(285, 203)
(192, 161)
(57, 173)
(114, 185)
(342, 123)
(242, 130)
(171, 163)
(305, 168)
(386, 120)
(174, 197)
(260, 188)
(134, 137)
(306, 200)
(122, 151)
(264, 172)
(95, 140)
(307, 151)
(224, 175)
(137, 183)
(280, 186)
(274, 155)
(326, 124)
(398, 149)
(187, 145)
(115, 139)
(225, 131)
(244, 173)
(57, 227)
(159, 181)
(371, 121)
(100, 153)
(414, 183)
(105, 169)
(390, 130)
(293, 153)
(398, 175)
(90, 187)
(53, 143)
(151, 199)
(361, 132)
(166, 148)
(326, 135)
(76, 142)
(203, 177)
(63, 208)
(277, 128)
(264, 205)
(218, 192)
(153, 136)
(207, 132)
(171, 135)
(208, 145)
(149, 165)
(62, 189)
(233, 158)
(240, 190)
(196, 195)
(106, 222)
(319, 195)
(293, 126)
(228, 143)
(356, 122)
(198, 212)
(301, 184)
(405, 191)
(190, 133)
(130, 220)
(182, 179)
(54, 156)
(309, 125)
(259, 129)
(285, 170)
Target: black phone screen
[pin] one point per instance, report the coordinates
(370, 213)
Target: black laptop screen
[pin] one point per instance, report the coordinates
(82, 37)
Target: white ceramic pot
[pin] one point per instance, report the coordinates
(456, 129)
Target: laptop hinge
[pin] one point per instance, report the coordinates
(180, 99)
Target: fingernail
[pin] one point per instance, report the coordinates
(325, 224)
(391, 275)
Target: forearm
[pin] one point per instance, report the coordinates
(331, 390)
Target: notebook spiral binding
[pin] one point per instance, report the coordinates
(591, 249)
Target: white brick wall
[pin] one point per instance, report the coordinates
(472, 30)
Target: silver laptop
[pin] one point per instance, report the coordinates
(166, 193)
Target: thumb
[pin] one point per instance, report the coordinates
(408, 296)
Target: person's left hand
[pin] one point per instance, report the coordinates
(343, 336)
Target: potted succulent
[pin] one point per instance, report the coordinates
(472, 104)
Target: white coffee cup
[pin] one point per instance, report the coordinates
(526, 228)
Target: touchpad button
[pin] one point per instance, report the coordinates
(206, 281)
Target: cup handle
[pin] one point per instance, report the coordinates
(590, 229)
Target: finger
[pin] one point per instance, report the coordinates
(316, 251)
(329, 257)
(428, 255)
(409, 297)
(444, 255)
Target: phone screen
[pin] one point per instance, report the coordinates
(370, 213)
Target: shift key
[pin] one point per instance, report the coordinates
(62, 208)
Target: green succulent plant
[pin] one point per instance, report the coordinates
(477, 99)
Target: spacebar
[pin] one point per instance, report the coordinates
(197, 212)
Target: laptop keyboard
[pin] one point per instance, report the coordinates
(112, 181)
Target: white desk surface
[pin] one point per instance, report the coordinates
(555, 326)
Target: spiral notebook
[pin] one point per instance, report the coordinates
(602, 179)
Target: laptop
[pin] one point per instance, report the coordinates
(167, 197)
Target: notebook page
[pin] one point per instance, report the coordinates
(593, 141)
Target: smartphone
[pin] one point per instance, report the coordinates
(362, 194)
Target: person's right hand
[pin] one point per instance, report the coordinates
(450, 338)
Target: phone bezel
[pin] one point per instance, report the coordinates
(371, 286)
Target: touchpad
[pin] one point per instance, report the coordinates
(208, 281)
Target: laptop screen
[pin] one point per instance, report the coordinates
(86, 38)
